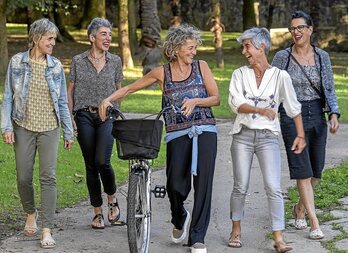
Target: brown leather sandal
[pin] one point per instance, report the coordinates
(281, 246)
(113, 207)
(31, 230)
(234, 241)
(100, 219)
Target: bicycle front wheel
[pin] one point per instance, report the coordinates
(139, 211)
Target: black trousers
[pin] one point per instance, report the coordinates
(96, 142)
(179, 154)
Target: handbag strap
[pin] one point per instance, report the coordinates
(304, 72)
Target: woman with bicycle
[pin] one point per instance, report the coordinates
(189, 86)
(95, 74)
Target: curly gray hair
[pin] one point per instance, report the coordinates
(258, 36)
(176, 37)
(39, 28)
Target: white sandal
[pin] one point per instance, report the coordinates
(47, 242)
(298, 223)
(316, 234)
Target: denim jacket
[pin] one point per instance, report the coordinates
(322, 60)
(17, 90)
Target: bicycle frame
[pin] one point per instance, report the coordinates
(139, 206)
(139, 196)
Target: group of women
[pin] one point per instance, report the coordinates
(299, 84)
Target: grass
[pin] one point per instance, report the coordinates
(328, 193)
(71, 172)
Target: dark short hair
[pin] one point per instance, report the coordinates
(95, 24)
(301, 14)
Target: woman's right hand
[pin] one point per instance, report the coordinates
(102, 109)
(8, 137)
(269, 113)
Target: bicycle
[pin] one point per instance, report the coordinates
(138, 141)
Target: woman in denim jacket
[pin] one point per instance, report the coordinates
(35, 105)
(312, 78)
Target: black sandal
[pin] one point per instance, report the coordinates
(112, 209)
(100, 218)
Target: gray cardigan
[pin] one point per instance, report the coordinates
(322, 60)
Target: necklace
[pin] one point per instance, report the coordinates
(95, 59)
(180, 73)
(305, 59)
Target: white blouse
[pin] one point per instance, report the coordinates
(275, 88)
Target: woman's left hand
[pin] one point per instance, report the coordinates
(188, 106)
(298, 145)
(334, 125)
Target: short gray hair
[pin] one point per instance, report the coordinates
(95, 24)
(39, 28)
(177, 36)
(258, 36)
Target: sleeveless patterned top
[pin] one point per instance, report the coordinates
(174, 92)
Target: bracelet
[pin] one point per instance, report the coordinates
(301, 137)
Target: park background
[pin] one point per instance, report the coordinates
(139, 26)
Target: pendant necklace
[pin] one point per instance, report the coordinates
(96, 60)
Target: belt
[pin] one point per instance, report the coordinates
(90, 109)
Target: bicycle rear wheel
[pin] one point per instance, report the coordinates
(139, 210)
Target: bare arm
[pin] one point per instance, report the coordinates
(246, 108)
(213, 98)
(71, 104)
(156, 75)
(300, 142)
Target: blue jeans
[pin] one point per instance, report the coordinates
(265, 145)
(310, 163)
(96, 142)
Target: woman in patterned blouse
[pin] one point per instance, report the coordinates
(255, 94)
(95, 74)
(312, 78)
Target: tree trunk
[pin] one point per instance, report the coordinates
(185, 11)
(270, 14)
(93, 9)
(249, 19)
(132, 21)
(150, 35)
(3, 41)
(59, 22)
(123, 38)
(175, 7)
(314, 6)
(217, 29)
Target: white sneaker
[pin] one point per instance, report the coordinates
(198, 248)
(178, 235)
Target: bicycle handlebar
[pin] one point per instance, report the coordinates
(112, 111)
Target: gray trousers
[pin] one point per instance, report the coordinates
(265, 145)
(25, 146)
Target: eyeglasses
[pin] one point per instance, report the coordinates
(298, 28)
